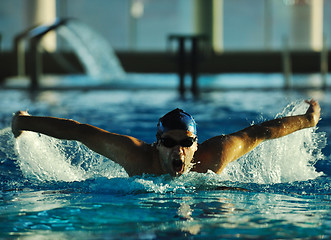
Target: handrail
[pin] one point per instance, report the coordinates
(34, 35)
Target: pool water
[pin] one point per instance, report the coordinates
(54, 189)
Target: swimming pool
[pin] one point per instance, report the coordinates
(60, 190)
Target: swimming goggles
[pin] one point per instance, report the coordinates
(169, 142)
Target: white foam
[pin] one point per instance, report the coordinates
(41, 157)
(50, 159)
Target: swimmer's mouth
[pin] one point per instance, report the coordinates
(177, 165)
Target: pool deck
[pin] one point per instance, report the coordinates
(215, 82)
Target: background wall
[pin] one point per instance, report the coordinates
(247, 25)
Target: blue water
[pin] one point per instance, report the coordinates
(52, 189)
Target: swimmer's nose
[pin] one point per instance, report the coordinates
(178, 149)
(177, 165)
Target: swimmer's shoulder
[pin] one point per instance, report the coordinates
(146, 161)
(209, 155)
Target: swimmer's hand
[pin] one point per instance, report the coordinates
(313, 112)
(14, 122)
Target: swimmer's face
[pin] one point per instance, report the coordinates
(176, 149)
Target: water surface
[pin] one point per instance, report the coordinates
(59, 189)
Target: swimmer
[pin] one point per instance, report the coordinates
(176, 150)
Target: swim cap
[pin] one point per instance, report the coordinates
(176, 120)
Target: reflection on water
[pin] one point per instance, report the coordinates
(216, 213)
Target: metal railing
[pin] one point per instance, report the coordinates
(34, 35)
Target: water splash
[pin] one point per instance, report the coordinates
(287, 159)
(42, 158)
(283, 160)
(49, 159)
(95, 53)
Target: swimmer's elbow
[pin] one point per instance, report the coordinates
(258, 133)
(81, 132)
(66, 129)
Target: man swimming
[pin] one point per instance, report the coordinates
(176, 150)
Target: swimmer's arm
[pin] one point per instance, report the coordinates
(55, 127)
(280, 127)
(122, 149)
(221, 150)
